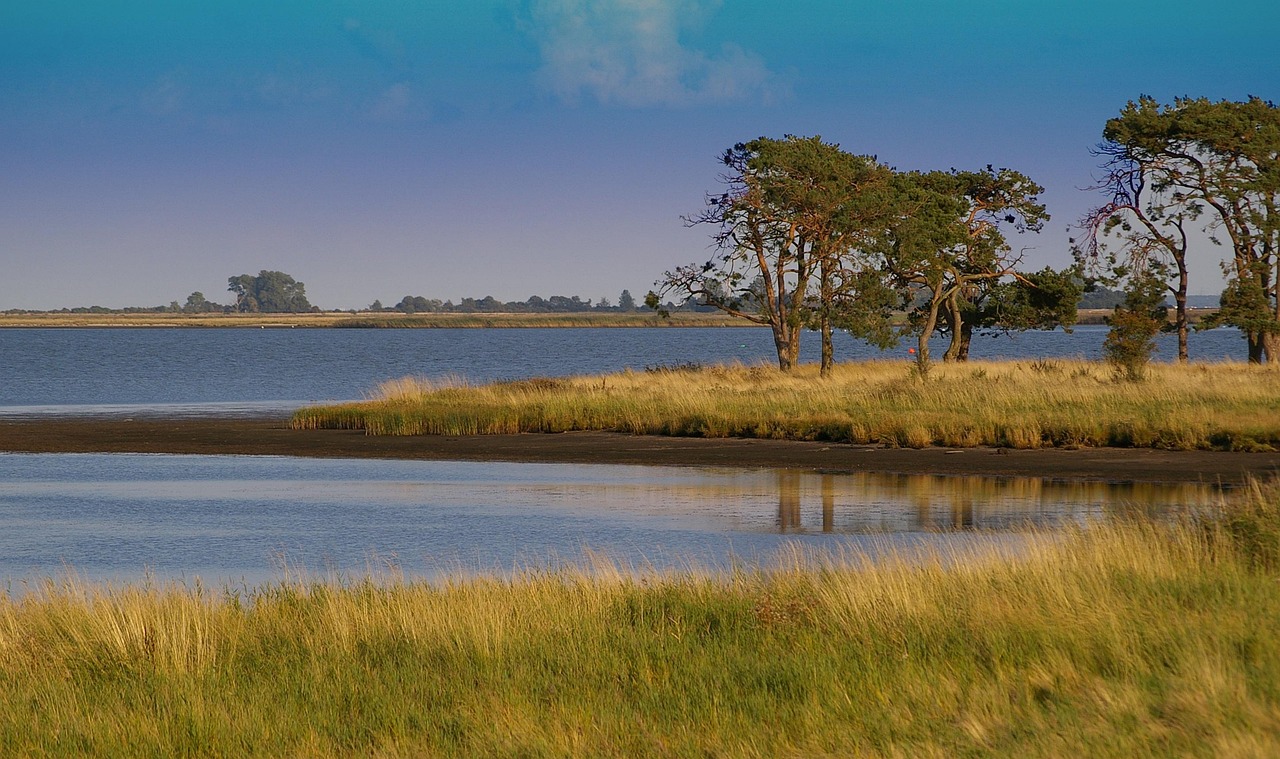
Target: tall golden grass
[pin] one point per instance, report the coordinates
(1126, 639)
(1017, 404)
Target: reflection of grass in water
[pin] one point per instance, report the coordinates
(1012, 404)
(1128, 639)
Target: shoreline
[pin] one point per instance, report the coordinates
(260, 436)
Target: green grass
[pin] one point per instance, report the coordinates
(1053, 403)
(1128, 639)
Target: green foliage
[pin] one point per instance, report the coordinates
(1134, 326)
(196, 304)
(1245, 305)
(1195, 163)
(269, 292)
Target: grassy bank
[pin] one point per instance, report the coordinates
(1013, 404)
(345, 319)
(1134, 639)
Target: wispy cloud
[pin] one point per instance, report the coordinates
(630, 52)
(167, 95)
(397, 103)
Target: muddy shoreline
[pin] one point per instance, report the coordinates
(272, 437)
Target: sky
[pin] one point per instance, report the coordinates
(153, 148)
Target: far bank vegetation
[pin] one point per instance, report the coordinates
(1047, 403)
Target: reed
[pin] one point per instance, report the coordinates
(1126, 639)
(1017, 404)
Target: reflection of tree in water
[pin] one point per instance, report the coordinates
(788, 500)
(895, 502)
(828, 503)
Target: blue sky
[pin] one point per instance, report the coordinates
(512, 148)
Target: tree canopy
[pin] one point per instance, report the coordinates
(1195, 165)
(269, 292)
(808, 235)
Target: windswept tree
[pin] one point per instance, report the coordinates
(269, 292)
(949, 243)
(1141, 231)
(792, 211)
(1046, 299)
(1213, 166)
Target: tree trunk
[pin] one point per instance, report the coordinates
(786, 339)
(926, 331)
(1180, 313)
(955, 320)
(828, 352)
(966, 337)
(1271, 347)
(1256, 349)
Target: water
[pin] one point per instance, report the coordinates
(255, 371)
(234, 520)
(239, 519)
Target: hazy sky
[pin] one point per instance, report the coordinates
(506, 148)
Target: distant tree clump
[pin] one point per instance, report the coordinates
(269, 292)
(197, 304)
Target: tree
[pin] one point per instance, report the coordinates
(785, 223)
(196, 304)
(1134, 325)
(1146, 215)
(1222, 160)
(948, 244)
(269, 292)
(1046, 299)
(626, 302)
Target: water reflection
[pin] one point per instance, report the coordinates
(117, 515)
(878, 502)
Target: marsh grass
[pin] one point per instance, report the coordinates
(1057, 403)
(1128, 639)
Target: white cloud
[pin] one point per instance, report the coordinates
(629, 52)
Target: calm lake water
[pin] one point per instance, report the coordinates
(240, 520)
(248, 370)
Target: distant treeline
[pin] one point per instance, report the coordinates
(1099, 297)
(556, 304)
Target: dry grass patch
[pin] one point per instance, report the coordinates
(1019, 404)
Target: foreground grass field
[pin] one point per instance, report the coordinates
(1131, 639)
(1014, 404)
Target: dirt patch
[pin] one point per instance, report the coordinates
(272, 437)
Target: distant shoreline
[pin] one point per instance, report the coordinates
(375, 320)
(348, 320)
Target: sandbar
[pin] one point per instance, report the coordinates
(273, 437)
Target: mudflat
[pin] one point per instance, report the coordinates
(263, 436)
